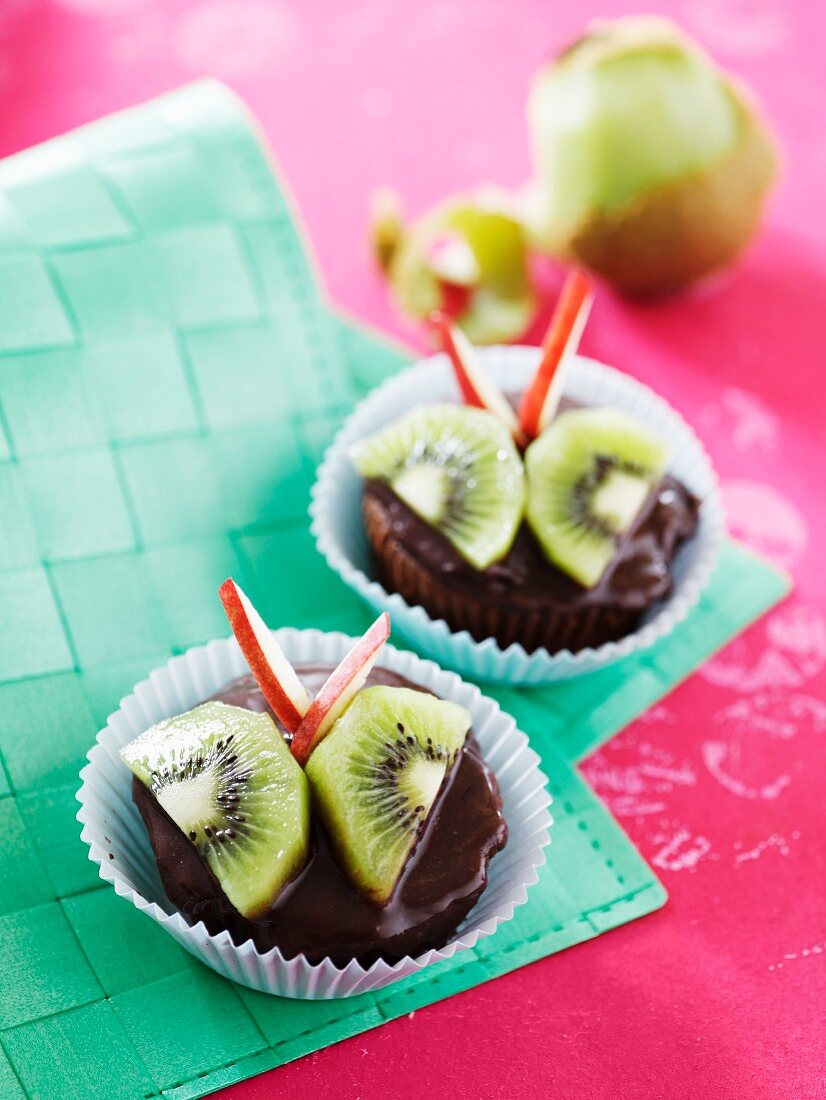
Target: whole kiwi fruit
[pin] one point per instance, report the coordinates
(651, 163)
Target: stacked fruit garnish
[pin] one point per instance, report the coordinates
(226, 778)
(370, 760)
(458, 469)
(468, 257)
(583, 479)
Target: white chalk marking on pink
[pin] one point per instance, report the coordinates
(775, 841)
(817, 949)
(716, 753)
(747, 421)
(682, 852)
(765, 519)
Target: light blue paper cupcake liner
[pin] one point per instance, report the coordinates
(119, 844)
(339, 530)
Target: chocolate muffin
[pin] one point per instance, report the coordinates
(564, 548)
(321, 909)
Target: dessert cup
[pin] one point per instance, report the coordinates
(119, 844)
(339, 530)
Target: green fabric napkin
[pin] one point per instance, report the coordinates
(169, 377)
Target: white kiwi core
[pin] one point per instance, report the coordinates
(190, 802)
(619, 499)
(424, 489)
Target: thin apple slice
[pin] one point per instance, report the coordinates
(341, 686)
(273, 673)
(561, 340)
(476, 387)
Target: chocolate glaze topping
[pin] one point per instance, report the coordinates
(639, 574)
(321, 914)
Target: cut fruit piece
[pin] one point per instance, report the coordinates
(652, 165)
(376, 776)
(273, 673)
(542, 396)
(226, 778)
(476, 386)
(588, 477)
(457, 468)
(339, 689)
(468, 256)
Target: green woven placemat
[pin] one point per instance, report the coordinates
(168, 379)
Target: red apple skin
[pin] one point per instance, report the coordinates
(283, 706)
(476, 387)
(342, 684)
(444, 328)
(455, 298)
(559, 345)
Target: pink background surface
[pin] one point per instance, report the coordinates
(719, 994)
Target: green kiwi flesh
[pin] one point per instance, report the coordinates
(652, 163)
(376, 775)
(458, 468)
(229, 782)
(589, 474)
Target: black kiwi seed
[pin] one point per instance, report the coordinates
(389, 799)
(227, 824)
(400, 727)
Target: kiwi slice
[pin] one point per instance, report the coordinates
(589, 475)
(376, 775)
(456, 467)
(229, 782)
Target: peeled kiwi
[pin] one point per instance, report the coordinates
(227, 779)
(685, 229)
(589, 475)
(376, 775)
(652, 164)
(458, 468)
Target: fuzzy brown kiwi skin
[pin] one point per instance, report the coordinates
(674, 234)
